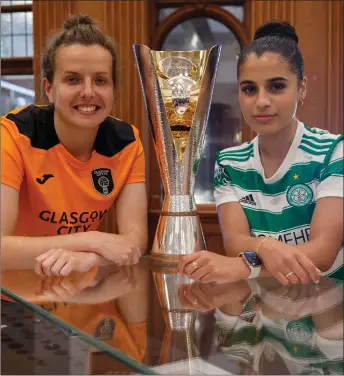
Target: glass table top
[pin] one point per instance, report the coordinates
(148, 319)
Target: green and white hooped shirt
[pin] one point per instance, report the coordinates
(282, 206)
(293, 340)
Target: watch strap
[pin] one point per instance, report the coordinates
(255, 271)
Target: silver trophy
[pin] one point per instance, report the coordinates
(177, 87)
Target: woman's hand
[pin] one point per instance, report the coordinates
(116, 248)
(61, 262)
(204, 297)
(207, 266)
(87, 287)
(287, 263)
(58, 289)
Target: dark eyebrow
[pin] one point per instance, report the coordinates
(76, 73)
(270, 80)
(247, 82)
(70, 72)
(277, 79)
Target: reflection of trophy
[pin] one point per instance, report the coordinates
(180, 334)
(177, 88)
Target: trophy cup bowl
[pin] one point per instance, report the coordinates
(177, 88)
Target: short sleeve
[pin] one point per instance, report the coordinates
(12, 167)
(137, 169)
(331, 177)
(223, 189)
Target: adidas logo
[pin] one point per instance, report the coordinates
(248, 200)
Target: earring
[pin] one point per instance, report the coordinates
(301, 102)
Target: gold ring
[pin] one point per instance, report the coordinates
(195, 302)
(289, 274)
(194, 265)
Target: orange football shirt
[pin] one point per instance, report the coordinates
(104, 322)
(59, 194)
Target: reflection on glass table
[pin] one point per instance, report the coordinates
(33, 345)
(157, 321)
(90, 307)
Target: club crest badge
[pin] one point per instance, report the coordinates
(102, 181)
(105, 329)
(299, 195)
(299, 331)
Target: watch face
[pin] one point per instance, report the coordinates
(252, 258)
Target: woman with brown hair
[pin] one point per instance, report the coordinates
(65, 164)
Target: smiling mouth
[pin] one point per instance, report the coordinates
(88, 110)
(263, 118)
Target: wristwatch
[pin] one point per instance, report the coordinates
(253, 262)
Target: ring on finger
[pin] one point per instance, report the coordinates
(194, 264)
(289, 274)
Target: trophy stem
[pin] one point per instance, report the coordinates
(180, 342)
(179, 205)
(179, 230)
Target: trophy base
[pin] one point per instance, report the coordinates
(178, 234)
(160, 258)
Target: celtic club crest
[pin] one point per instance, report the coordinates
(299, 195)
(299, 332)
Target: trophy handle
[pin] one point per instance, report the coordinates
(155, 109)
(201, 117)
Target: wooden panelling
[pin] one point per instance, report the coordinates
(18, 65)
(127, 23)
(319, 25)
(259, 12)
(47, 16)
(16, 8)
(335, 76)
(312, 40)
(204, 10)
(174, 3)
(95, 9)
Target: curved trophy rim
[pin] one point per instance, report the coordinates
(215, 46)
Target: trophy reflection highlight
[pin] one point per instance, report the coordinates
(177, 88)
(180, 342)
